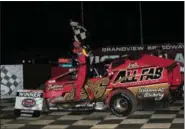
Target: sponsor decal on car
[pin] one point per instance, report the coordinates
(139, 75)
(98, 89)
(55, 87)
(157, 93)
(133, 65)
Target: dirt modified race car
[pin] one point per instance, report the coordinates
(120, 85)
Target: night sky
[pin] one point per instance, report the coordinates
(44, 26)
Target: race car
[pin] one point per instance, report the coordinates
(122, 85)
(117, 84)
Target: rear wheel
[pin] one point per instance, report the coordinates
(123, 103)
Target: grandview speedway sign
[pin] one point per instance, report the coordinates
(173, 51)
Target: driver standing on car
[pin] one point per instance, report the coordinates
(81, 69)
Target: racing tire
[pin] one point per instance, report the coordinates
(124, 98)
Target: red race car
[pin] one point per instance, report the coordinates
(120, 86)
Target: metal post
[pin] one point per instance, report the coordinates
(82, 13)
(141, 23)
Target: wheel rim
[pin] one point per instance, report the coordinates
(121, 104)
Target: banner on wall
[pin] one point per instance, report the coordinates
(173, 51)
(11, 80)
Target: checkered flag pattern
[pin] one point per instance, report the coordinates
(8, 79)
(79, 31)
(151, 116)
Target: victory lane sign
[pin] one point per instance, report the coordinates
(28, 103)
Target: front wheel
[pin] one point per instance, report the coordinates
(123, 103)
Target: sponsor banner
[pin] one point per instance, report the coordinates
(11, 80)
(172, 51)
(28, 103)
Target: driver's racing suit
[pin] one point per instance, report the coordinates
(81, 73)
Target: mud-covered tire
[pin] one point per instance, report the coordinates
(128, 98)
